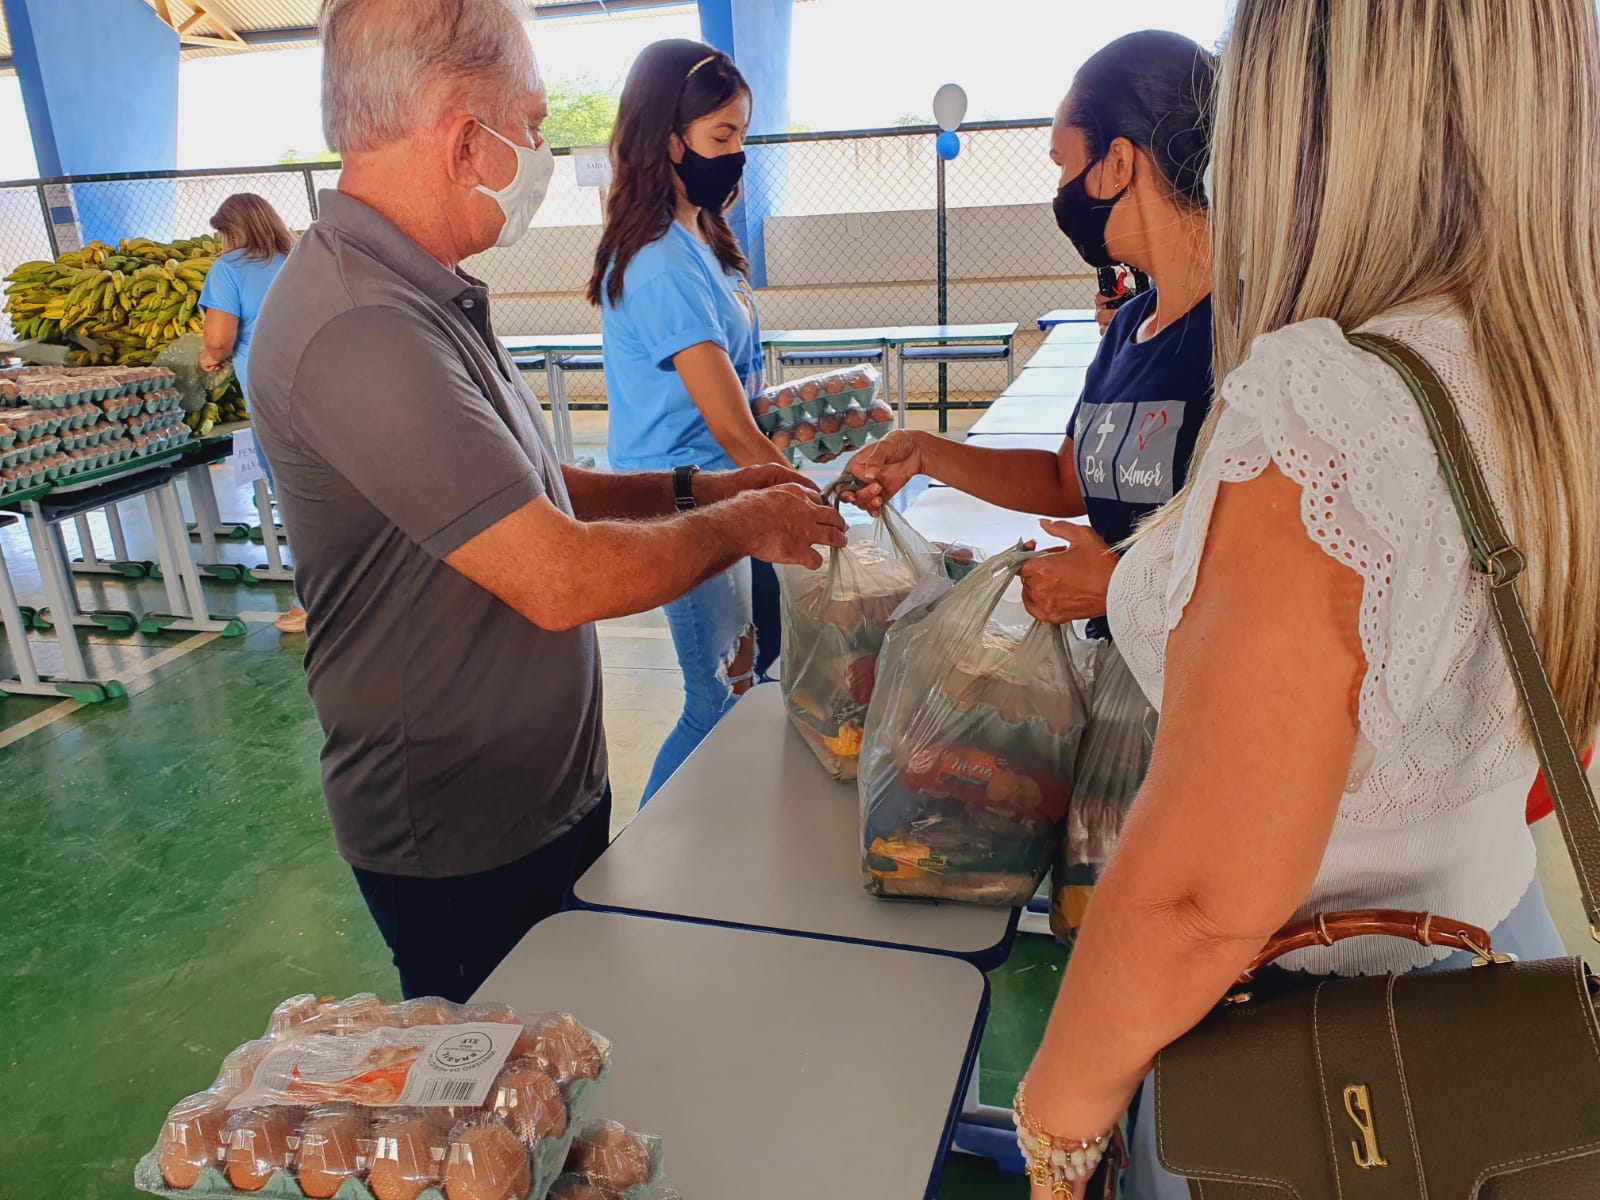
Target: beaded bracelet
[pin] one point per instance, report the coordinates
(1057, 1163)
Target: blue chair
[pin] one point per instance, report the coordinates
(951, 354)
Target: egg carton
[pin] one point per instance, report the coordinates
(326, 1022)
(546, 1163)
(820, 448)
(785, 405)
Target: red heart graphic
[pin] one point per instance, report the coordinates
(1159, 420)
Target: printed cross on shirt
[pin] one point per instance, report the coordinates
(1105, 429)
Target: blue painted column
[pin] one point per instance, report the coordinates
(100, 84)
(756, 33)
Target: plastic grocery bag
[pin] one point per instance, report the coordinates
(834, 621)
(967, 762)
(195, 385)
(1112, 764)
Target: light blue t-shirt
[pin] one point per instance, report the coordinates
(675, 295)
(238, 287)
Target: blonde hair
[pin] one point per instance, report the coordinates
(252, 225)
(1370, 152)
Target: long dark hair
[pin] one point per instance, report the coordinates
(1153, 88)
(672, 85)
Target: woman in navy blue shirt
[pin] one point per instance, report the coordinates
(1131, 139)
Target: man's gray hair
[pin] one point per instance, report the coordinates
(387, 63)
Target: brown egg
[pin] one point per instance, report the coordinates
(486, 1162)
(408, 1152)
(854, 418)
(833, 384)
(610, 1156)
(330, 1150)
(256, 1142)
(529, 1101)
(782, 438)
(426, 1011)
(829, 422)
(860, 381)
(805, 432)
(191, 1139)
(785, 398)
(566, 1049)
(763, 405)
(880, 411)
(809, 390)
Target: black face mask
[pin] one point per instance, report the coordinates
(710, 182)
(1083, 218)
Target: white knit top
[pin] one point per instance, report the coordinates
(1433, 814)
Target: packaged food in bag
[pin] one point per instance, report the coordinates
(834, 621)
(967, 760)
(614, 1161)
(1112, 763)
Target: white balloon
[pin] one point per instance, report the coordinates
(950, 106)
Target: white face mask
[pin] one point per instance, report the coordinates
(520, 199)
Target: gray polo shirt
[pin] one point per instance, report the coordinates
(459, 735)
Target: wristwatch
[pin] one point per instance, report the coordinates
(683, 487)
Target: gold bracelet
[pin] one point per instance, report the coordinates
(1059, 1164)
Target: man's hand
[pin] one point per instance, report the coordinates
(786, 523)
(885, 468)
(713, 487)
(1069, 583)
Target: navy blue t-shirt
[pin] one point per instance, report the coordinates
(1142, 407)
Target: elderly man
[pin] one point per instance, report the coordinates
(451, 564)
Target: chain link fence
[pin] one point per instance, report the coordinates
(841, 230)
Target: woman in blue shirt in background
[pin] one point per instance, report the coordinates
(683, 354)
(1132, 140)
(255, 244)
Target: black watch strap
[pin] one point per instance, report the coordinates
(683, 487)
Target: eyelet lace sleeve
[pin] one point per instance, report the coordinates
(1339, 422)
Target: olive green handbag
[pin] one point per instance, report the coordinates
(1450, 1086)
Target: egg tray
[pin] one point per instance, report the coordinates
(545, 1165)
(827, 446)
(650, 1189)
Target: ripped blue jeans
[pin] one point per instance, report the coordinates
(713, 634)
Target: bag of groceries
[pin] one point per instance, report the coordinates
(834, 621)
(1112, 763)
(966, 765)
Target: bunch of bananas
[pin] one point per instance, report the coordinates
(120, 304)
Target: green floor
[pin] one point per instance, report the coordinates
(170, 876)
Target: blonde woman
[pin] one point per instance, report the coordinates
(255, 244)
(1339, 728)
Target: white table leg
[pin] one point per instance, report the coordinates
(119, 540)
(26, 682)
(63, 601)
(192, 614)
(562, 413)
(86, 541)
(275, 568)
(167, 554)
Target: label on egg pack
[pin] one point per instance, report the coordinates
(426, 1065)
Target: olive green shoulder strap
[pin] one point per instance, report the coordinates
(1494, 555)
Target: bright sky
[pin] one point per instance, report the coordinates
(857, 64)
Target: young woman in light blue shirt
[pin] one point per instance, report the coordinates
(683, 347)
